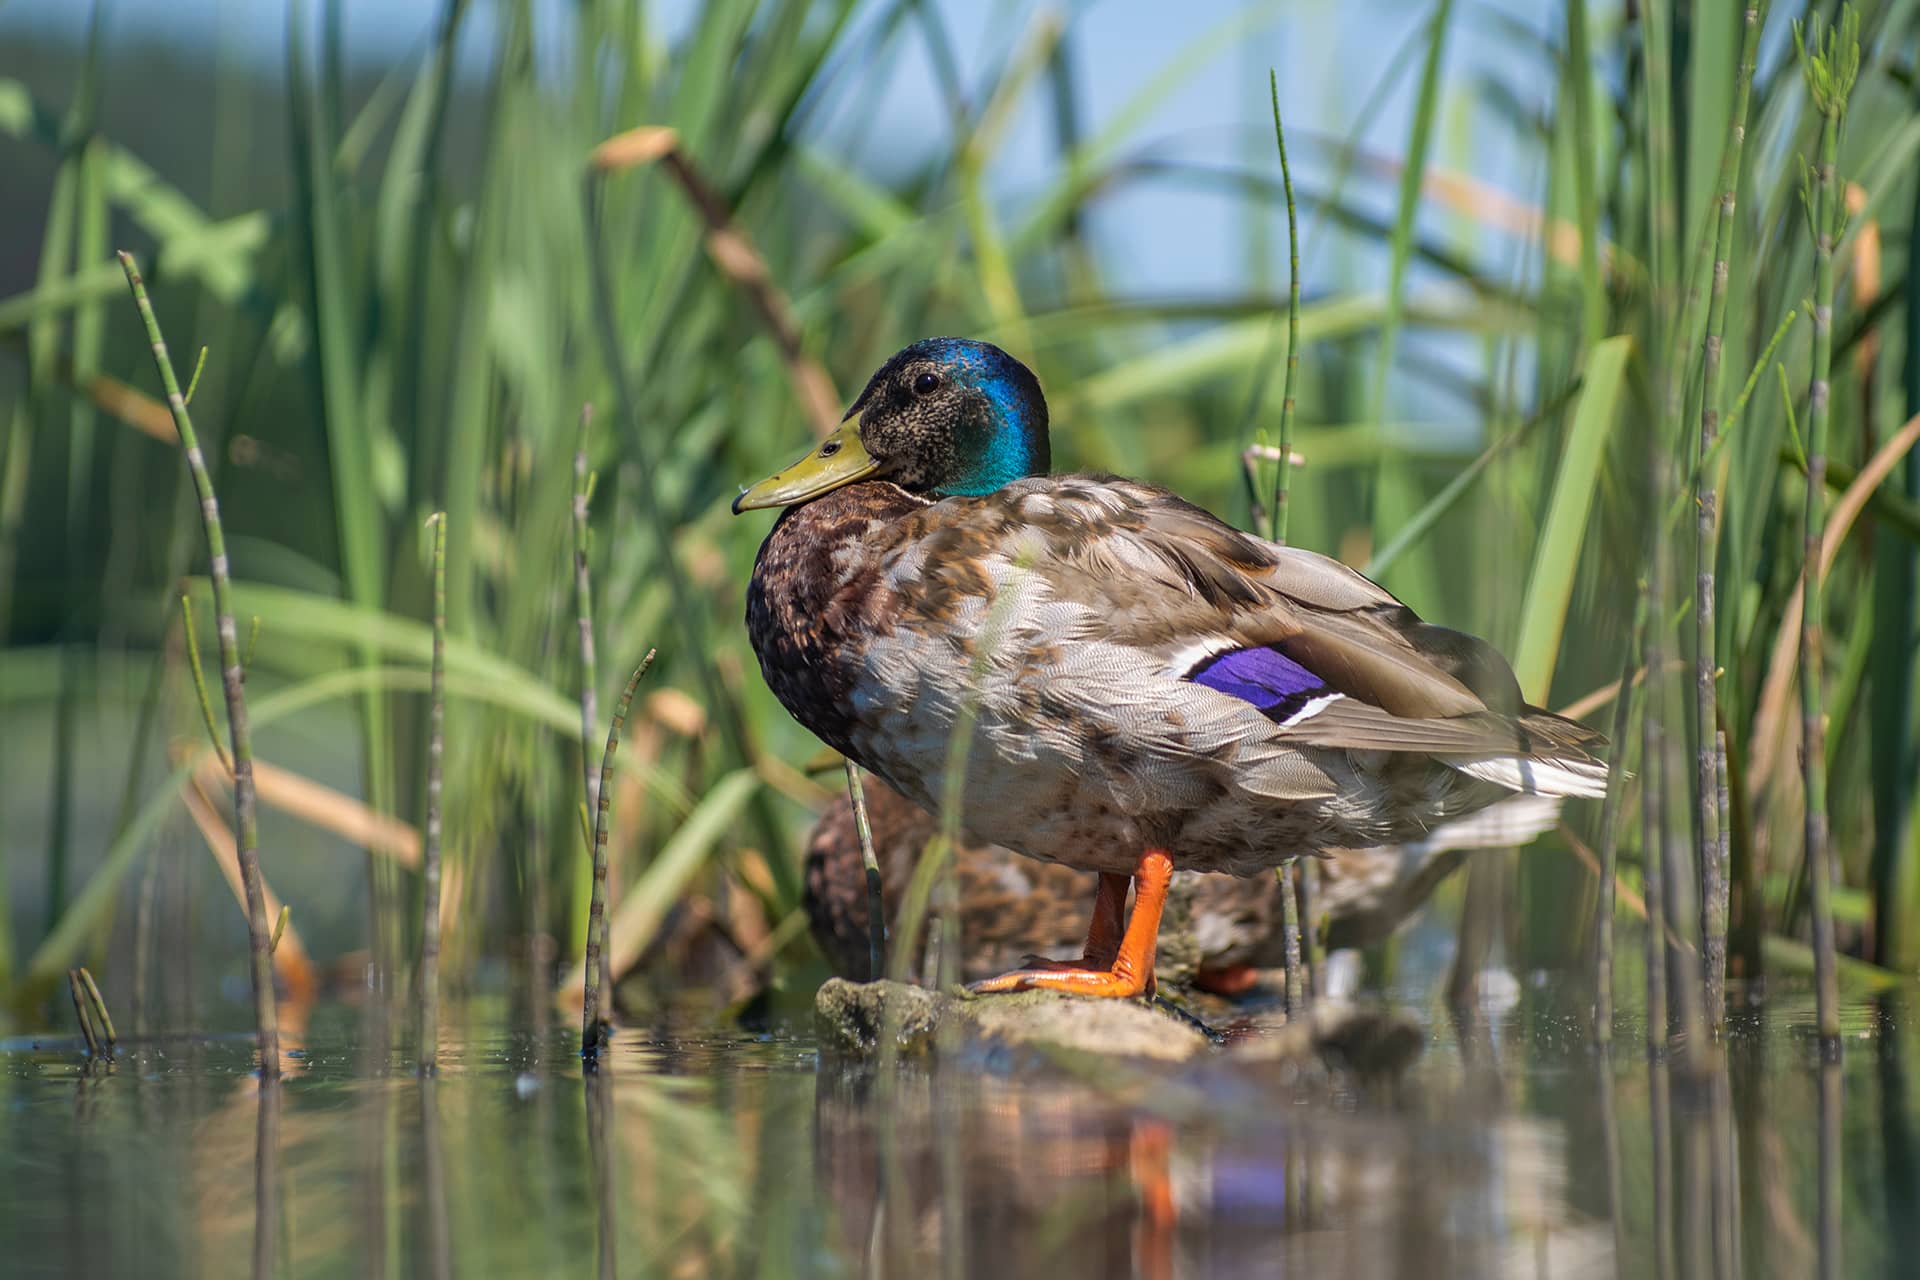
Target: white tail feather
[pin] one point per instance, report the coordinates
(1537, 777)
(1503, 824)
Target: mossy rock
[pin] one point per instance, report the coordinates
(857, 1017)
(1367, 1041)
(854, 1017)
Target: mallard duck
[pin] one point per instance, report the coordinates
(1218, 932)
(1142, 686)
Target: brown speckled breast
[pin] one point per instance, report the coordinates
(816, 597)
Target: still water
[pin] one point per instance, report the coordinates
(1509, 1147)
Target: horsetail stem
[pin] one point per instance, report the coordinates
(244, 805)
(598, 983)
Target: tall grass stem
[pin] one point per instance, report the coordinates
(598, 992)
(1603, 911)
(244, 802)
(1290, 939)
(1710, 835)
(870, 862)
(1829, 66)
(1283, 464)
(430, 853)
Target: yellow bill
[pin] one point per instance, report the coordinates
(839, 460)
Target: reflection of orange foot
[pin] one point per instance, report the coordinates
(1130, 972)
(1234, 980)
(1150, 1155)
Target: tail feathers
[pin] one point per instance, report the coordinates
(1535, 776)
(1515, 820)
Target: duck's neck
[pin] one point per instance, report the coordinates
(817, 598)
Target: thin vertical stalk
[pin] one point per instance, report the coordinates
(1290, 918)
(322, 249)
(876, 904)
(1663, 232)
(1282, 465)
(1593, 294)
(1830, 66)
(583, 607)
(244, 806)
(1304, 874)
(98, 1006)
(583, 481)
(83, 1015)
(430, 856)
(1719, 907)
(598, 984)
(1394, 496)
(1711, 834)
(1603, 909)
(1659, 1098)
(200, 684)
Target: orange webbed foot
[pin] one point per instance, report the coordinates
(1110, 983)
(1130, 971)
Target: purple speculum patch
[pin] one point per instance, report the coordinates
(1263, 676)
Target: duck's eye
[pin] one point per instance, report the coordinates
(830, 448)
(924, 384)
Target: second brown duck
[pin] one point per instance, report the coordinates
(1219, 930)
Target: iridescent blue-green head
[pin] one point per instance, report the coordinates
(943, 417)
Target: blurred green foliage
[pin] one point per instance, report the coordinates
(410, 282)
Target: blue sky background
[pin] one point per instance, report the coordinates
(1156, 238)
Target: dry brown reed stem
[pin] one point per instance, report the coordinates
(245, 815)
(596, 990)
(1588, 703)
(436, 750)
(319, 805)
(1769, 721)
(1486, 205)
(141, 412)
(734, 254)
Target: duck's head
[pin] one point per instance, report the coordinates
(944, 417)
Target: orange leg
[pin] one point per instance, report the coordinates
(1103, 934)
(1234, 980)
(1130, 971)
